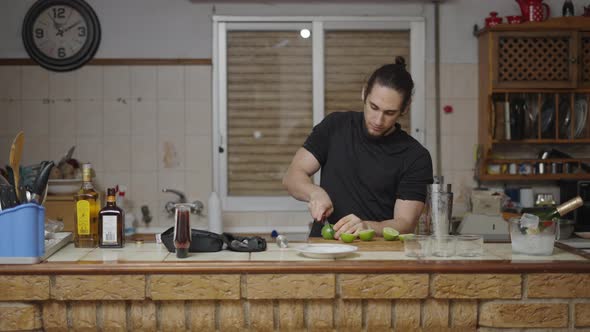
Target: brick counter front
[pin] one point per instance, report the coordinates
(269, 302)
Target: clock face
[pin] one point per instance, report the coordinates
(60, 32)
(61, 35)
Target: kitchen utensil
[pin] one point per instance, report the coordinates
(16, 151)
(8, 196)
(40, 185)
(67, 156)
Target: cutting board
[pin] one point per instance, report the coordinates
(377, 244)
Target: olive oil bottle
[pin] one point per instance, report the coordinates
(87, 208)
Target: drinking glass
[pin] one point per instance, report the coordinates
(417, 246)
(443, 246)
(469, 245)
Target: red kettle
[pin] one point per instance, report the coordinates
(534, 10)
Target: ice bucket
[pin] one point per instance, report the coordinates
(533, 241)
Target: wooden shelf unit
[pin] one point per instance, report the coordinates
(545, 65)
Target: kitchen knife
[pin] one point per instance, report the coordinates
(67, 156)
(41, 183)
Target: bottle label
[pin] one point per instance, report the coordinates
(109, 230)
(83, 217)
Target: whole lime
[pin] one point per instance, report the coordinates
(404, 237)
(328, 232)
(347, 237)
(367, 234)
(390, 234)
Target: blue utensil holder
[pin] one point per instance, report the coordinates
(22, 234)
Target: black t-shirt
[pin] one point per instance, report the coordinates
(364, 175)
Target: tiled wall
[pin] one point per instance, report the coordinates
(148, 127)
(459, 89)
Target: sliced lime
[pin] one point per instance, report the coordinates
(404, 237)
(390, 234)
(347, 237)
(367, 234)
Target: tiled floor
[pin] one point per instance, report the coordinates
(152, 252)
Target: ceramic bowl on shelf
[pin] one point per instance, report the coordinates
(63, 186)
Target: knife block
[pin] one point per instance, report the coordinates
(22, 234)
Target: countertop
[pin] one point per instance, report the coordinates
(154, 258)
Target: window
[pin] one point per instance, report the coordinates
(274, 78)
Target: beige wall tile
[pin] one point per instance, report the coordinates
(143, 186)
(198, 117)
(90, 149)
(117, 117)
(171, 118)
(35, 118)
(144, 117)
(62, 85)
(144, 153)
(62, 119)
(117, 153)
(198, 82)
(35, 83)
(10, 82)
(171, 152)
(89, 117)
(11, 115)
(144, 82)
(463, 80)
(116, 82)
(198, 154)
(89, 83)
(36, 148)
(170, 82)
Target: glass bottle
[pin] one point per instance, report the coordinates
(110, 223)
(86, 214)
(568, 8)
(561, 210)
(182, 229)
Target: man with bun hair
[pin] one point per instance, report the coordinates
(374, 175)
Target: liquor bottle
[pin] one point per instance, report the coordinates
(87, 208)
(110, 223)
(562, 209)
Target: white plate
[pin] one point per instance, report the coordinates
(583, 235)
(326, 250)
(64, 186)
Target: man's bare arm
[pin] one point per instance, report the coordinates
(298, 182)
(406, 214)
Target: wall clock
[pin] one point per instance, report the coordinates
(61, 35)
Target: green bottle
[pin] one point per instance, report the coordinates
(561, 210)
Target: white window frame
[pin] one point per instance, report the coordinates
(318, 24)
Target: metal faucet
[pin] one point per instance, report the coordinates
(169, 207)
